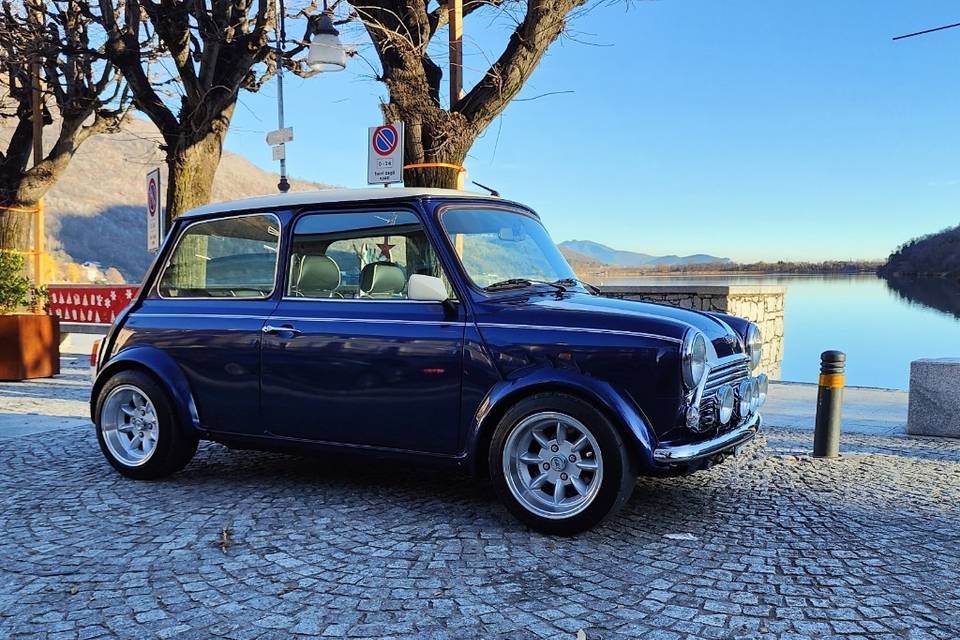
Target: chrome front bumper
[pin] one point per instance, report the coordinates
(689, 452)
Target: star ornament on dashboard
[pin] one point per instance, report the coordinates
(385, 249)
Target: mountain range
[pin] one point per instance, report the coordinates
(587, 251)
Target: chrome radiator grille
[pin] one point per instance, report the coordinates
(728, 371)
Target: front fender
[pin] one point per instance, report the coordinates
(167, 373)
(635, 429)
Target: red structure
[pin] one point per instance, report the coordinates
(90, 303)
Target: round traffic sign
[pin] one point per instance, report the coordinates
(152, 197)
(385, 140)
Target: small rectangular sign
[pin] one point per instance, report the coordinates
(154, 211)
(280, 136)
(280, 152)
(385, 154)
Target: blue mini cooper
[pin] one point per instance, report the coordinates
(422, 325)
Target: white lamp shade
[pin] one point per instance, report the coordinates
(326, 53)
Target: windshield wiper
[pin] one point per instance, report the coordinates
(592, 288)
(522, 283)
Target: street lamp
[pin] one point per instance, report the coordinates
(326, 54)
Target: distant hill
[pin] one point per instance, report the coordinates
(618, 258)
(96, 212)
(579, 261)
(936, 254)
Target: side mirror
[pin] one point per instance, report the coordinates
(426, 288)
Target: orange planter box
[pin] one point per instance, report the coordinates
(29, 346)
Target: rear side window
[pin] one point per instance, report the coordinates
(362, 255)
(229, 258)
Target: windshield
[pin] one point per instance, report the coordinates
(498, 245)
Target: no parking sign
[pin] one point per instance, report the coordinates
(385, 154)
(153, 211)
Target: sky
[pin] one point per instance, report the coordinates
(752, 130)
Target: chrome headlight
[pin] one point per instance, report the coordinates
(693, 359)
(754, 345)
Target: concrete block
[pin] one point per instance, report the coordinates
(934, 408)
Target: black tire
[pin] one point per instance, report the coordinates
(173, 449)
(618, 470)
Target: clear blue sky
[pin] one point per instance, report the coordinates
(747, 129)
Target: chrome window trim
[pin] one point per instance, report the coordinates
(228, 316)
(432, 323)
(276, 260)
(618, 332)
(363, 300)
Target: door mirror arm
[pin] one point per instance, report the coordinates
(451, 308)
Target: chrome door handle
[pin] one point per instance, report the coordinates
(272, 330)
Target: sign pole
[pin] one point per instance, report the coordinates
(36, 100)
(455, 8)
(283, 185)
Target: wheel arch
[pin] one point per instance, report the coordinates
(164, 370)
(633, 426)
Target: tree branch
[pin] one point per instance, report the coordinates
(543, 22)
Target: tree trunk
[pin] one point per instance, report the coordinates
(16, 226)
(432, 135)
(191, 167)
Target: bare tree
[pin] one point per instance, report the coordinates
(77, 85)
(402, 31)
(186, 62)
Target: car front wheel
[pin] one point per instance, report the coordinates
(137, 429)
(559, 464)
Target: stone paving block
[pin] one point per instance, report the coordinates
(934, 408)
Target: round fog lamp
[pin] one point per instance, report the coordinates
(763, 383)
(743, 391)
(754, 395)
(725, 404)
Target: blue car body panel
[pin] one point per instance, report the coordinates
(409, 380)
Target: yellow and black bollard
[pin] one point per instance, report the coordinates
(826, 437)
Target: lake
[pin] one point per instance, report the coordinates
(880, 327)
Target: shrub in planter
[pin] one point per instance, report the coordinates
(29, 340)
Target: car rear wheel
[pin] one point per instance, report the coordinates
(137, 429)
(559, 464)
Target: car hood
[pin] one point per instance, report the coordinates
(581, 310)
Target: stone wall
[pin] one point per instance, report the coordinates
(760, 304)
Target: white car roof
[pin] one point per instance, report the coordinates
(329, 196)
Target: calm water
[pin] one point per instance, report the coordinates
(880, 329)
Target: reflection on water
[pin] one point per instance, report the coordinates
(937, 293)
(881, 329)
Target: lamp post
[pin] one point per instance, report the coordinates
(326, 53)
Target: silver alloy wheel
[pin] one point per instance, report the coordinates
(552, 465)
(128, 421)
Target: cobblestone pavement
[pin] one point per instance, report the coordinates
(250, 545)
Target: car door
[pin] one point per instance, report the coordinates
(206, 309)
(347, 358)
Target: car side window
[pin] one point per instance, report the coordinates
(362, 256)
(233, 257)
